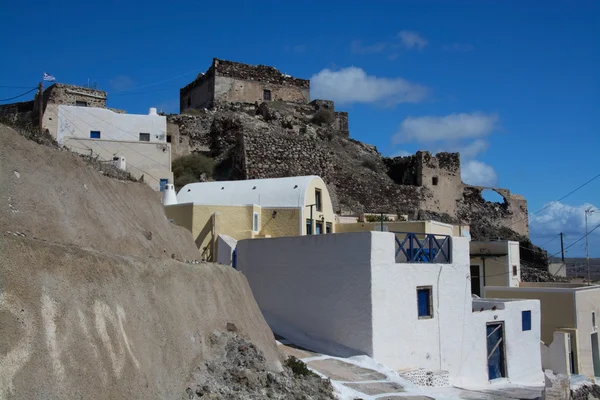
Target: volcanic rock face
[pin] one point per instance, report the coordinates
(278, 139)
(238, 370)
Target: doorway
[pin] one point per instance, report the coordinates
(495, 350)
(596, 354)
(476, 280)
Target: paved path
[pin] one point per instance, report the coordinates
(355, 381)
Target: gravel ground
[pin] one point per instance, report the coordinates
(237, 370)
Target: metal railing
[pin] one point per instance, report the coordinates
(423, 248)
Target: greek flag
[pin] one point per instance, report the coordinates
(49, 78)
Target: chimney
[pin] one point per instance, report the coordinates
(152, 111)
(169, 196)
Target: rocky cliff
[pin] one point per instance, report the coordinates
(277, 139)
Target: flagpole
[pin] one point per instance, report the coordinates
(41, 103)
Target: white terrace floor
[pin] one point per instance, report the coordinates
(362, 378)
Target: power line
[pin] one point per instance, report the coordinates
(120, 142)
(156, 83)
(556, 201)
(21, 95)
(16, 87)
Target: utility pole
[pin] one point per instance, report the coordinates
(41, 103)
(562, 248)
(589, 211)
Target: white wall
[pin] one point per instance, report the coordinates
(522, 348)
(318, 285)
(119, 136)
(225, 247)
(348, 289)
(587, 300)
(555, 356)
(79, 121)
(401, 339)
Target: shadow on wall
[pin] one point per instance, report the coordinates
(207, 230)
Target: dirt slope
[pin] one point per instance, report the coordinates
(53, 195)
(79, 324)
(92, 305)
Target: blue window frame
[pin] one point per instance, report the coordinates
(163, 183)
(526, 320)
(319, 228)
(424, 303)
(94, 134)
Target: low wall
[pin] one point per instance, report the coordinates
(318, 285)
(85, 324)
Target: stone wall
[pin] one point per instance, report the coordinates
(68, 95)
(340, 123)
(17, 114)
(276, 156)
(198, 94)
(189, 133)
(261, 73)
(237, 82)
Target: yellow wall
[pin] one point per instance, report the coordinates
(557, 307)
(207, 222)
(285, 223)
(404, 226)
(181, 214)
(412, 226)
(326, 214)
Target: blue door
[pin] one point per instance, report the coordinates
(495, 350)
(163, 183)
(234, 258)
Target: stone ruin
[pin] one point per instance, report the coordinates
(229, 118)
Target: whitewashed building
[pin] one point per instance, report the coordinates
(404, 300)
(139, 140)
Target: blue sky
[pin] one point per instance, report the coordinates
(513, 85)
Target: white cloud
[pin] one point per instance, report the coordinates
(359, 48)
(412, 40)
(478, 173)
(449, 127)
(559, 217)
(353, 85)
(462, 47)
(401, 153)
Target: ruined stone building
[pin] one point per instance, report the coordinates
(229, 81)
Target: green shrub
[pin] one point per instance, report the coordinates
(188, 169)
(298, 367)
(322, 116)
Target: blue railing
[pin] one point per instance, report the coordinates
(423, 248)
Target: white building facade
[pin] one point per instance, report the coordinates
(358, 293)
(138, 143)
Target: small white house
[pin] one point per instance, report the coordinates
(404, 302)
(138, 141)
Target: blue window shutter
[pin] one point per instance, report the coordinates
(526, 320)
(163, 183)
(94, 134)
(423, 302)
